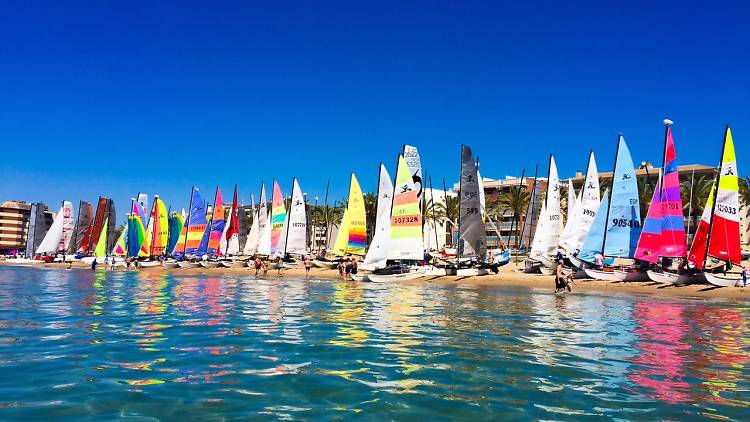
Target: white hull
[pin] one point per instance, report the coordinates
(411, 275)
(722, 280)
(22, 261)
(546, 271)
(433, 271)
(232, 264)
(325, 264)
(360, 277)
(170, 264)
(577, 263)
(602, 275)
(188, 264)
(209, 264)
(631, 275)
(676, 279)
(149, 264)
(471, 272)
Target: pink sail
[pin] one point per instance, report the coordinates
(650, 241)
(673, 242)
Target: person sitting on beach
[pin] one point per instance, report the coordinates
(279, 267)
(308, 265)
(561, 281)
(599, 261)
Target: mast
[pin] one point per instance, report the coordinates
(289, 216)
(434, 221)
(717, 181)
(530, 208)
(153, 231)
(186, 226)
(325, 215)
(667, 124)
(690, 203)
(609, 205)
(518, 195)
(460, 183)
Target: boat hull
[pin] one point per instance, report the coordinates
(232, 264)
(187, 264)
(724, 280)
(631, 275)
(209, 264)
(149, 264)
(675, 279)
(531, 266)
(471, 272)
(546, 271)
(602, 275)
(325, 264)
(170, 264)
(387, 278)
(577, 263)
(22, 261)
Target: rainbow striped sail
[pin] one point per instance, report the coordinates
(121, 248)
(673, 242)
(278, 219)
(192, 232)
(357, 223)
(136, 235)
(160, 228)
(176, 223)
(406, 219)
(217, 224)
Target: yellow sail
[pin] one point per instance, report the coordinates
(342, 238)
(357, 219)
(101, 244)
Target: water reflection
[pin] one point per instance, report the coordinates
(290, 348)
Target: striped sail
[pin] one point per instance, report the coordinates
(160, 230)
(624, 224)
(176, 223)
(724, 238)
(195, 225)
(651, 236)
(278, 219)
(377, 253)
(136, 235)
(673, 242)
(697, 252)
(217, 225)
(121, 248)
(357, 224)
(406, 219)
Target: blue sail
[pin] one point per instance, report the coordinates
(594, 241)
(203, 247)
(134, 241)
(196, 224)
(624, 223)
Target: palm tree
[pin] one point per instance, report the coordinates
(513, 202)
(434, 211)
(449, 209)
(694, 204)
(745, 194)
(371, 212)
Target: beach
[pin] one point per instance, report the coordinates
(509, 275)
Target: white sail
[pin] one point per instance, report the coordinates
(583, 215)
(251, 245)
(296, 227)
(378, 252)
(281, 247)
(264, 243)
(548, 229)
(482, 199)
(68, 225)
(51, 242)
(571, 199)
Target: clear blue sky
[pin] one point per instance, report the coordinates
(113, 98)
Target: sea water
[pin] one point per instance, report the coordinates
(81, 344)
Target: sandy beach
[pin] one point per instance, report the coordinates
(510, 275)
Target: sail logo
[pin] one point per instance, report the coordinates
(626, 176)
(469, 178)
(405, 188)
(297, 203)
(590, 185)
(729, 172)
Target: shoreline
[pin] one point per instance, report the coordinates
(509, 275)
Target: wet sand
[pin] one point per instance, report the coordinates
(510, 275)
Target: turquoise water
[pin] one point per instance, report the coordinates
(79, 344)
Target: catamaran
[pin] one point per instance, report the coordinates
(717, 239)
(616, 234)
(546, 238)
(581, 218)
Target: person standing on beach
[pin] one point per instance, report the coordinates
(279, 267)
(744, 276)
(308, 265)
(258, 264)
(93, 264)
(341, 269)
(352, 268)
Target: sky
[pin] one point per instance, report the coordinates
(116, 98)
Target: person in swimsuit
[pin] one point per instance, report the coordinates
(353, 268)
(308, 265)
(341, 269)
(562, 282)
(258, 264)
(279, 267)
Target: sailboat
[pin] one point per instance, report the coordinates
(157, 234)
(377, 254)
(81, 228)
(583, 214)
(547, 235)
(404, 244)
(295, 241)
(718, 235)
(229, 245)
(259, 222)
(54, 241)
(192, 232)
(621, 222)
